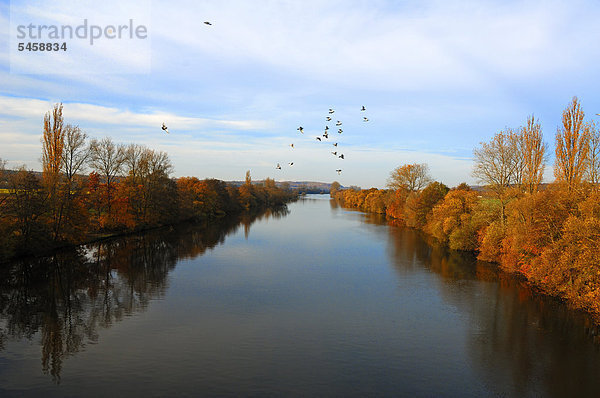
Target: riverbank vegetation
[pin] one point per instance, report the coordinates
(548, 233)
(91, 188)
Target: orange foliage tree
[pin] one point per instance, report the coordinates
(572, 146)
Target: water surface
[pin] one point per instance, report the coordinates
(309, 300)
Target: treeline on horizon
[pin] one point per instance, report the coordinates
(548, 233)
(128, 189)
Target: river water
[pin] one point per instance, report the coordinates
(312, 300)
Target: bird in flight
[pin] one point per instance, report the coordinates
(335, 153)
(339, 171)
(328, 118)
(278, 167)
(326, 135)
(365, 119)
(338, 123)
(300, 129)
(331, 111)
(326, 128)
(318, 138)
(363, 108)
(207, 23)
(292, 145)
(341, 156)
(165, 128)
(340, 131)
(291, 163)
(335, 144)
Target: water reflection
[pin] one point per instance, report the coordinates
(530, 344)
(65, 299)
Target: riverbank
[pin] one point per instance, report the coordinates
(35, 220)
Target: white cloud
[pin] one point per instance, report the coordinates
(442, 44)
(84, 113)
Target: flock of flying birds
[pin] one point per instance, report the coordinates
(318, 138)
(325, 136)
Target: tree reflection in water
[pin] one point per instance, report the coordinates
(516, 338)
(66, 298)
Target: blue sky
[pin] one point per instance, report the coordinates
(436, 77)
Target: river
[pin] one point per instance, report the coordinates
(311, 300)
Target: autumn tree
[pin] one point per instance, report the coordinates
(143, 188)
(425, 201)
(333, 188)
(246, 193)
(3, 197)
(28, 207)
(532, 153)
(572, 146)
(412, 177)
(6, 224)
(53, 143)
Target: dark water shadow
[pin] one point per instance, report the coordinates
(531, 344)
(65, 299)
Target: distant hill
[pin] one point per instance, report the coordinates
(302, 186)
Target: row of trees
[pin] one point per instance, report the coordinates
(129, 188)
(549, 233)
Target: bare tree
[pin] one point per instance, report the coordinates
(497, 165)
(593, 159)
(134, 154)
(107, 158)
(76, 152)
(572, 146)
(412, 177)
(496, 162)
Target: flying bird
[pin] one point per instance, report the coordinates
(365, 119)
(339, 171)
(300, 129)
(340, 131)
(165, 128)
(335, 144)
(328, 118)
(363, 109)
(318, 138)
(326, 127)
(291, 163)
(341, 156)
(292, 145)
(338, 123)
(278, 167)
(326, 135)
(331, 111)
(207, 23)
(335, 153)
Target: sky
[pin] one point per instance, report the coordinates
(436, 78)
